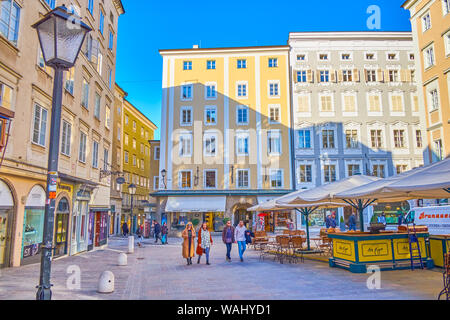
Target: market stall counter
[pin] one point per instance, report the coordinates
(439, 246)
(388, 250)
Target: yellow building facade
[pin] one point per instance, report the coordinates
(138, 132)
(430, 21)
(225, 137)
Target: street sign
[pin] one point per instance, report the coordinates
(120, 180)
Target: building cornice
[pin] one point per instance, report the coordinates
(167, 193)
(352, 35)
(223, 50)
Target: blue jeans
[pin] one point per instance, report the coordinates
(164, 238)
(352, 227)
(229, 250)
(241, 247)
(206, 251)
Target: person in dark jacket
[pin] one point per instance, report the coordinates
(228, 238)
(333, 223)
(139, 233)
(352, 222)
(125, 229)
(248, 236)
(157, 231)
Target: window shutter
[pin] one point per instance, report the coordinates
(408, 75)
(386, 76)
(309, 75)
(380, 75)
(366, 75)
(332, 75)
(340, 76)
(355, 75)
(295, 76)
(318, 76)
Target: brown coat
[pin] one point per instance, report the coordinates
(188, 252)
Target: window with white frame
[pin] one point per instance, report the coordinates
(399, 139)
(134, 144)
(353, 169)
(276, 178)
(97, 106)
(187, 92)
(301, 57)
(85, 95)
(242, 144)
(371, 75)
(304, 139)
(187, 65)
(378, 170)
(346, 56)
(347, 75)
(66, 138)
(328, 139)
(70, 80)
(329, 173)
(303, 103)
(211, 92)
(400, 168)
(301, 76)
(351, 139)
(186, 116)
(274, 143)
(185, 179)
(210, 145)
(273, 62)
(242, 115)
(323, 57)
(370, 56)
(242, 90)
(126, 138)
(446, 38)
(397, 103)
(326, 103)
(241, 64)
(429, 57)
(210, 115)
(438, 151)
(391, 56)
(82, 148)
(243, 178)
(434, 99)
(134, 161)
(157, 152)
(6, 93)
(274, 89)
(10, 20)
(446, 6)
(324, 76)
(426, 22)
(349, 103)
(305, 173)
(40, 125)
(211, 64)
(126, 156)
(274, 114)
(185, 142)
(95, 154)
(210, 179)
(374, 102)
(376, 138)
(106, 159)
(394, 75)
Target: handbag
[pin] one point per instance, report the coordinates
(199, 250)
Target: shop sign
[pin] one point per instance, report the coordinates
(437, 219)
(65, 187)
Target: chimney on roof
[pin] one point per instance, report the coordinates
(195, 46)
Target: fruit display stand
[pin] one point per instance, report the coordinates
(355, 251)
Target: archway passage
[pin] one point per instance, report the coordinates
(240, 213)
(61, 227)
(6, 215)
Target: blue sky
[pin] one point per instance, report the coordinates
(151, 25)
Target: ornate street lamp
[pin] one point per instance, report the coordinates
(132, 191)
(61, 36)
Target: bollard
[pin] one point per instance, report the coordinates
(123, 260)
(130, 244)
(106, 282)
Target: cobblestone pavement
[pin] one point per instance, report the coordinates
(159, 272)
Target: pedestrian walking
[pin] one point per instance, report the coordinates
(352, 222)
(125, 229)
(139, 233)
(204, 242)
(157, 231)
(228, 238)
(239, 235)
(188, 235)
(164, 232)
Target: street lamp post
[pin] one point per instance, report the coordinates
(61, 36)
(132, 191)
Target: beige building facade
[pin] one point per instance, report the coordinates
(83, 205)
(430, 22)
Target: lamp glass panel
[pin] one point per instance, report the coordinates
(70, 39)
(46, 31)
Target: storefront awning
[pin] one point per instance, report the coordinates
(196, 204)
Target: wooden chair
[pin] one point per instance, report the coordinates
(286, 232)
(297, 248)
(260, 240)
(326, 246)
(284, 249)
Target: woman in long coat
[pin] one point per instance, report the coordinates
(204, 242)
(188, 235)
